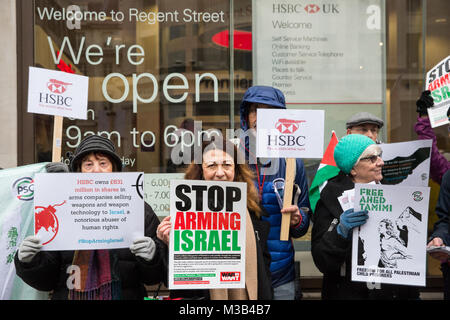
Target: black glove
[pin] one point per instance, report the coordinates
(425, 101)
(54, 167)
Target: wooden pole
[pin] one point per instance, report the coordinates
(287, 198)
(57, 138)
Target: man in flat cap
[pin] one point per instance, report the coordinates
(366, 124)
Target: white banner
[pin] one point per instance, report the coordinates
(290, 133)
(16, 223)
(81, 211)
(207, 240)
(391, 246)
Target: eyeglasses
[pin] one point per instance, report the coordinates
(373, 158)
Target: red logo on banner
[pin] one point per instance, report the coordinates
(57, 86)
(287, 125)
(312, 8)
(230, 276)
(46, 223)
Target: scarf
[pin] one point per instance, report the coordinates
(251, 271)
(99, 276)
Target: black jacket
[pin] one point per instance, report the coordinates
(332, 253)
(47, 270)
(265, 290)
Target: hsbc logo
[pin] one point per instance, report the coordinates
(230, 276)
(311, 8)
(55, 98)
(57, 86)
(286, 138)
(287, 125)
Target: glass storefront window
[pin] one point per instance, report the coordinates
(158, 69)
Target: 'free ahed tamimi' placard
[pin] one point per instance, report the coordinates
(391, 246)
(207, 240)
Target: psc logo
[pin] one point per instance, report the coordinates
(417, 196)
(23, 189)
(288, 125)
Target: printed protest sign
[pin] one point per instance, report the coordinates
(290, 133)
(57, 93)
(438, 83)
(391, 246)
(406, 163)
(207, 241)
(80, 211)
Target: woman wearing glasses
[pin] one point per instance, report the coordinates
(220, 163)
(359, 159)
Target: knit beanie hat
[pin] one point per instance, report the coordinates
(91, 144)
(349, 149)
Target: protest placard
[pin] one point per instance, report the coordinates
(290, 133)
(391, 246)
(406, 163)
(207, 241)
(57, 93)
(81, 211)
(437, 81)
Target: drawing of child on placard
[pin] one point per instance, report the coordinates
(392, 246)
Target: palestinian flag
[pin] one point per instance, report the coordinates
(327, 170)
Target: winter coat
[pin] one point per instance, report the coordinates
(282, 252)
(47, 270)
(442, 226)
(332, 253)
(438, 163)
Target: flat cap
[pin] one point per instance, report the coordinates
(362, 118)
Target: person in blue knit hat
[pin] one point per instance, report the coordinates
(359, 159)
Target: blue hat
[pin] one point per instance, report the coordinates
(349, 149)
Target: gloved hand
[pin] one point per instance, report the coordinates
(350, 219)
(29, 248)
(144, 247)
(54, 167)
(425, 101)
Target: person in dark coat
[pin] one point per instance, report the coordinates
(359, 159)
(94, 274)
(269, 175)
(441, 231)
(219, 164)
